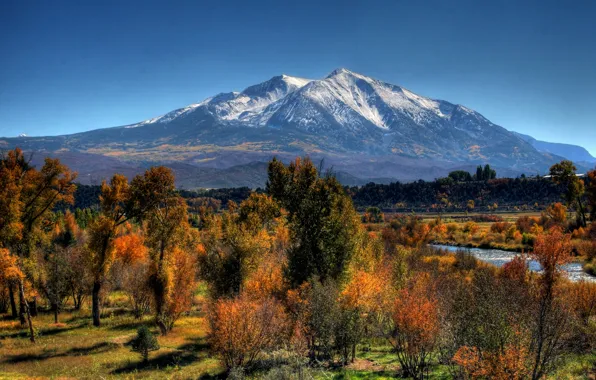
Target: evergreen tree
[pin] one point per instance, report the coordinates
(144, 343)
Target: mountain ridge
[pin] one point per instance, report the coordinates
(351, 120)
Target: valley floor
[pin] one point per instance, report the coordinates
(74, 348)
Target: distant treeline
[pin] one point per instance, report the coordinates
(445, 194)
(87, 196)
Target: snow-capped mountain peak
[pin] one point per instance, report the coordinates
(345, 114)
(348, 111)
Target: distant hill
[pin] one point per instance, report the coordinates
(571, 152)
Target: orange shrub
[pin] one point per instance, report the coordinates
(511, 363)
(416, 320)
(241, 329)
(500, 227)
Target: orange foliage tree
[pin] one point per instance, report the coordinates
(554, 215)
(133, 256)
(551, 250)
(407, 230)
(173, 271)
(121, 202)
(416, 326)
(27, 198)
(509, 363)
(10, 273)
(242, 328)
(237, 242)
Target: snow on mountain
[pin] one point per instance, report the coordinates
(345, 114)
(238, 106)
(343, 99)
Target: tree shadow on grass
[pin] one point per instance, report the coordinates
(133, 325)
(184, 355)
(97, 348)
(24, 333)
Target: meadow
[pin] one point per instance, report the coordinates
(292, 283)
(74, 348)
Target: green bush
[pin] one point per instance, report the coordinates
(144, 342)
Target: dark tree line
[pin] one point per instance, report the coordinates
(458, 188)
(422, 194)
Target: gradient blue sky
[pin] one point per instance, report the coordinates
(66, 67)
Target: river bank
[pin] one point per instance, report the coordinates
(499, 257)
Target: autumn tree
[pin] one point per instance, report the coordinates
(11, 273)
(322, 220)
(237, 242)
(241, 329)
(551, 250)
(563, 173)
(591, 192)
(54, 270)
(373, 215)
(554, 215)
(416, 327)
(133, 257)
(172, 269)
(27, 198)
(470, 205)
(121, 202)
(510, 362)
(363, 303)
(407, 230)
(488, 321)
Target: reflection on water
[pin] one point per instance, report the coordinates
(499, 257)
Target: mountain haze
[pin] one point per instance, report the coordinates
(572, 152)
(362, 127)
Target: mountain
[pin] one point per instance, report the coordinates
(361, 127)
(571, 152)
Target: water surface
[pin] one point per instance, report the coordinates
(499, 257)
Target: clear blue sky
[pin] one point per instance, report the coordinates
(66, 67)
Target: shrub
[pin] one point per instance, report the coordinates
(486, 218)
(500, 227)
(241, 329)
(525, 223)
(144, 342)
(471, 227)
(528, 239)
(586, 249)
(416, 320)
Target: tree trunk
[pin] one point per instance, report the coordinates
(55, 310)
(95, 303)
(26, 311)
(13, 304)
(33, 307)
(581, 210)
(22, 305)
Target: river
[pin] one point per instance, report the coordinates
(499, 257)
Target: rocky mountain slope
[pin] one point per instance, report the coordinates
(360, 126)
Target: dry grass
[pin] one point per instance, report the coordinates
(76, 349)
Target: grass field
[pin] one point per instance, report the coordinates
(76, 349)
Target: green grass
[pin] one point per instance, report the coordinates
(76, 349)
